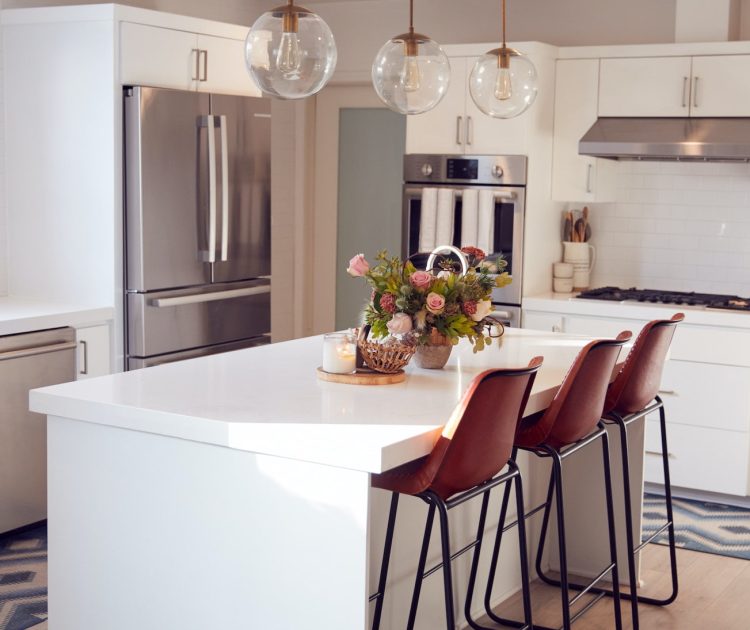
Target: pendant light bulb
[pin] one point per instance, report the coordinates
(411, 76)
(290, 52)
(411, 72)
(503, 82)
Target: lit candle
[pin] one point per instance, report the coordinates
(339, 353)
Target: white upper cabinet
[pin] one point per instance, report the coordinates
(164, 57)
(645, 86)
(700, 86)
(721, 86)
(457, 126)
(578, 177)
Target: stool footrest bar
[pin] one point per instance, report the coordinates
(591, 584)
(652, 537)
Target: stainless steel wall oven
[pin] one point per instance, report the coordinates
(501, 179)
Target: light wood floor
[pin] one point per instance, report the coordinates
(714, 594)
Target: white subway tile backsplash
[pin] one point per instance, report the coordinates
(679, 226)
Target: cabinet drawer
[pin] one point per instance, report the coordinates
(700, 459)
(707, 395)
(601, 326)
(710, 344)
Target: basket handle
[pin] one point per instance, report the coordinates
(454, 250)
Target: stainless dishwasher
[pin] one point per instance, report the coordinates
(27, 361)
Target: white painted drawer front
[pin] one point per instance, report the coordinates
(707, 395)
(601, 327)
(700, 459)
(709, 344)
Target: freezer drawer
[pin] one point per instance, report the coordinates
(28, 361)
(136, 364)
(172, 321)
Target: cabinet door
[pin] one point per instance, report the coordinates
(93, 351)
(720, 86)
(542, 321)
(645, 86)
(443, 129)
(222, 67)
(577, 177)
(493, 136)
(159, 57)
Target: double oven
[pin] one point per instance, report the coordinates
(502, 177)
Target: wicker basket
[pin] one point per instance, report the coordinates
(385, 357)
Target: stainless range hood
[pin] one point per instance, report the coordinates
(688, 139)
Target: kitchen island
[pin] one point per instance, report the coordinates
(233, 490)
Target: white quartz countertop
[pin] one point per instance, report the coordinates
(269, 400)
(19, 314)
(567, 303)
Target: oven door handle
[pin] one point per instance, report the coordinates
(499, 196)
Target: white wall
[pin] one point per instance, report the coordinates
(362, 27)
(677, 226)
(234, 11)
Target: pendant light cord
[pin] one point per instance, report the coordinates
(411, 16)
(503, 23)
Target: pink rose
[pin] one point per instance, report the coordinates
(400, 324)
(435, 303)
(470, 307)
(388, 302)
(358, 266)
(421, 280)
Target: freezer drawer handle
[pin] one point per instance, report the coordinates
(199, 298)
(31, 352)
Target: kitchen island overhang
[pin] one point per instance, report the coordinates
(235, 488)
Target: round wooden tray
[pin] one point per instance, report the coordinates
(363, 376)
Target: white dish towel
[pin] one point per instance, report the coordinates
(446, 203)
(469, 217)
(486, 222)
(428, 220)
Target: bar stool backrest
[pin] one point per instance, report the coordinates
(579, 403)
(477, 441)
(638, 382)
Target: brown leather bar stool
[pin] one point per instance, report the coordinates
(570, 423)
(632, 395)
(475, 445)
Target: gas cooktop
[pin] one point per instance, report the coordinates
(707, 300)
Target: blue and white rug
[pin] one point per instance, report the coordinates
(23, 580)
(709, 527)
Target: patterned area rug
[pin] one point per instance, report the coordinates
(23, 581)
(709, 527)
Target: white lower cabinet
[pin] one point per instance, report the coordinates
(706, 391)
(94, 356)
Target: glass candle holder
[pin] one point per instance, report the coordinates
(339, 353)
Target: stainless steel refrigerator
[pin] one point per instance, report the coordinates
(197, 224)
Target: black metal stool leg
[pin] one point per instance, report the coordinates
(380, 595)
(496, 553)
(629, 537)
(611, 524)
(475, 563)
(525, 580)
(450, 617)
(543, 534)
(420, 568)
(558, 482)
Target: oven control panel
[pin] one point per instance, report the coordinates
(477, 170)
(462, 169)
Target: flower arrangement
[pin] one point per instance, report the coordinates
(422, 307)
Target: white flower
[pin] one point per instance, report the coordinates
(484, 308)
(399, 324)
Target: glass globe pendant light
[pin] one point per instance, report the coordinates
(503, 82)
(411, 72)
(290, 52)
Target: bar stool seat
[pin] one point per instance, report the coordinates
(570, 423)
(465, 462)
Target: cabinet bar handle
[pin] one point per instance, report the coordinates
(684, 91)
(589, 169)
(32, 352)
(197, 69)
(695, 92)
(469, 130)
(659, 453)
(85, 346)
(459, 124)
(668, 392)
(205, 65)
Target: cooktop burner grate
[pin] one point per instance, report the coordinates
(708, 300)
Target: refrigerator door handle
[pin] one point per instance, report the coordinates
(210, 125)
(224, 190)
(199, 298)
